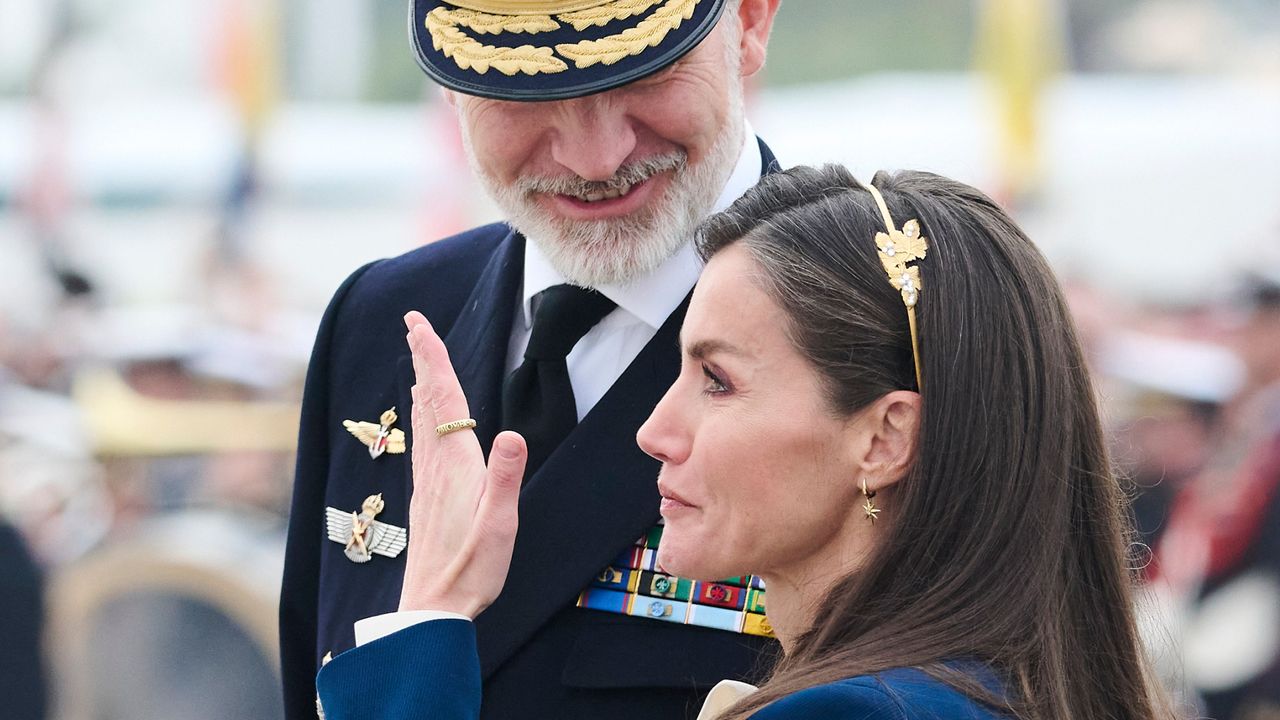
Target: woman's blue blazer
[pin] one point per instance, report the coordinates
(431, 671)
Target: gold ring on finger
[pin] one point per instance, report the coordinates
(455, 426)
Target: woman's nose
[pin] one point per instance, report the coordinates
(661, 436)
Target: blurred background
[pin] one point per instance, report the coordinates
(182, 186)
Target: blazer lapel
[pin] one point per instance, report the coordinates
(768, 163)
(477, 344)
(594, 496)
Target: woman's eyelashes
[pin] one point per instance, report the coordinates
(715, 383)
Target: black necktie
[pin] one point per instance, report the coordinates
(537, 400)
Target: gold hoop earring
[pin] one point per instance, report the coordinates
(869, 507)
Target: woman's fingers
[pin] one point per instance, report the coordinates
(444, 392)
(498, 511)
(423, 416)
(447, 399)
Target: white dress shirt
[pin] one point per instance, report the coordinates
(601, 356)
(380, 626)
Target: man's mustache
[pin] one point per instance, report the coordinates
(632, 173)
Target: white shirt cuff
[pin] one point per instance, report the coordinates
(380, 626)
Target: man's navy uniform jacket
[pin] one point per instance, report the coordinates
(541, 657)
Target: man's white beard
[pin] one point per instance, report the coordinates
(617, 251)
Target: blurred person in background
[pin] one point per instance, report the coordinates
(1220, 557)
(1165, 414)
(1169, 438)
(605, 131)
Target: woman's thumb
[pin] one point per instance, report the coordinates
(506, 471)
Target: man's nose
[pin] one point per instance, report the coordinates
(593, 138)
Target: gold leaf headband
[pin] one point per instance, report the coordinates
(896, 249)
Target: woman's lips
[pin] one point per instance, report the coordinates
(672, 502)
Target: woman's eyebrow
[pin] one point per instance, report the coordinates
(702, 348)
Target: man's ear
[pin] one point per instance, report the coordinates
(450, 97)
(756, 19)
(892, 425)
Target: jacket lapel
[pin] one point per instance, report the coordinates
(594, 496)
(768, 163)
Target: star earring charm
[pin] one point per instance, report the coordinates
(869, 507)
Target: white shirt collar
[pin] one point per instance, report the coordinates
(655, 296)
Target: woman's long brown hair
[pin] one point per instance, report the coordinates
(1006, 541)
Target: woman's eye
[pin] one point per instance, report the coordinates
(714, 383)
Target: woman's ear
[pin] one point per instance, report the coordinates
(892, 427)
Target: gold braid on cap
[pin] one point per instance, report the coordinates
(455, 32)
(897, 248)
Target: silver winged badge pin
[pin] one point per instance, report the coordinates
(362, 536)
(380, 437)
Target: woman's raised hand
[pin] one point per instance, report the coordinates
(463, 515)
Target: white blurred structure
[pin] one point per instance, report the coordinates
(1157, 188)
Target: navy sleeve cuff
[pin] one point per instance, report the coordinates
(429, 670)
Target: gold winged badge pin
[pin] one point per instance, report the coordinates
(379, 438)
(363, 536)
